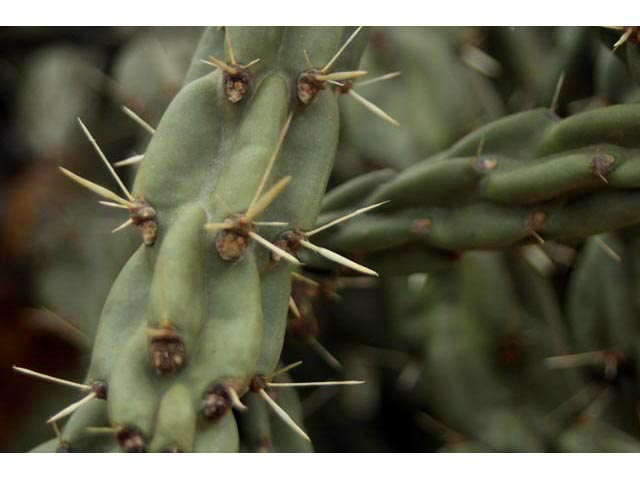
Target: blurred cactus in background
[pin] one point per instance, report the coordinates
(335, 239)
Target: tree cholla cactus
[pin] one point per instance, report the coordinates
(229, 202)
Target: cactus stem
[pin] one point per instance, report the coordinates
(608, 250)
(123, 226)
(334, 257)
(106, 162)
(285, 369)
(344, 218)
(49, 378)
(138, 119)
(556, 94)
(283, 415)
(323, 353)
(72, 408)
(225, 205)
(103, 430)
(381, 78)
(112, 205)
(276, 250)
(95, 188)
(272, 159)
(294, 308)
(165, 325)
(301, 278)
(314, 384)
(335, 58)
(129, 161)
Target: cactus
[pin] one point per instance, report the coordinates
(240, 252)
(196, 318)
(525, 178)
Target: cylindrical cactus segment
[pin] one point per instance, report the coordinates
(525, 178)
(235, 161)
